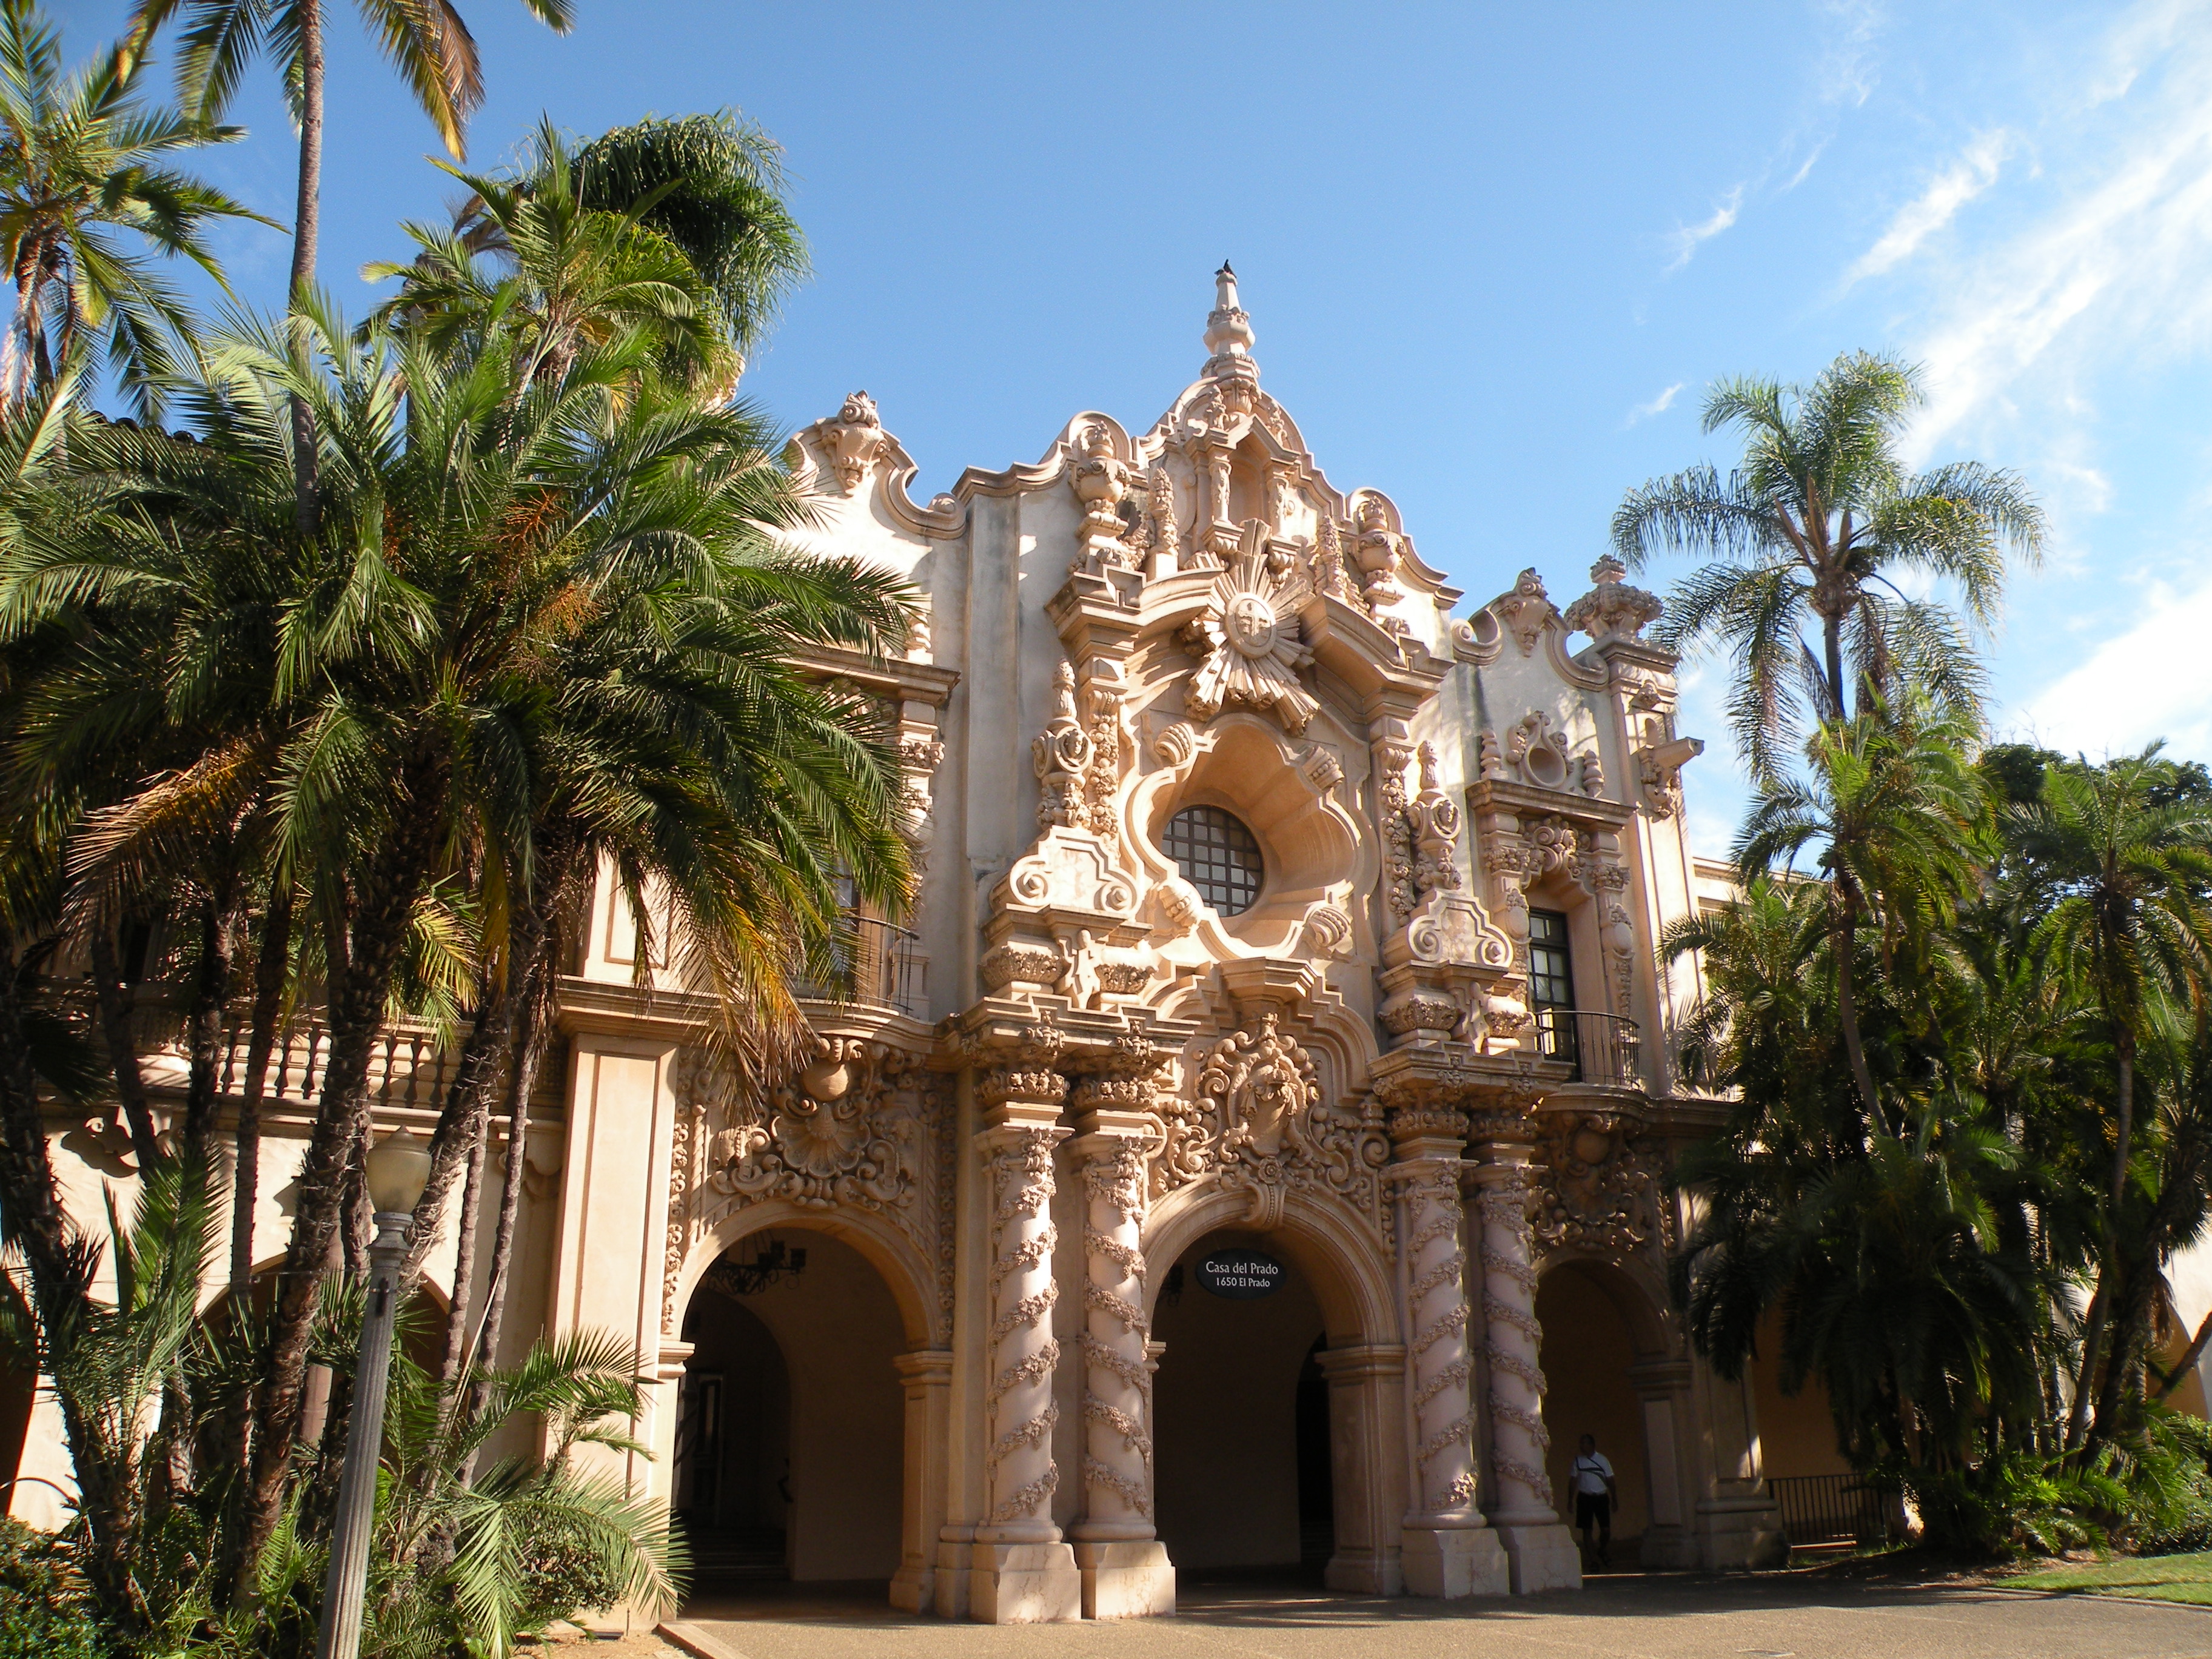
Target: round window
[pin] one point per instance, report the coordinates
(1216, 854)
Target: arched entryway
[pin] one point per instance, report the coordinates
(1277, 1421)
(1605, 1373)
(790, 1442)
(1240, 1423)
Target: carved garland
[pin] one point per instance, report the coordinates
(1261, 1122)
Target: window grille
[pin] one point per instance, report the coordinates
(1217, 855)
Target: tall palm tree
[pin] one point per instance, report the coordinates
(80, 160)
(713, 184)
(1893, 804)
(526, 255)
(426, 40)
(2129, 923)
(572, 599)
(1820, 523)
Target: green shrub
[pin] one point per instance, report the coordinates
(566, 1569)
(44, 1611)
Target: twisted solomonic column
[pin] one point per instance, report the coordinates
(1523, 1508)
(1444, 1421)
(1126, 1570)
(1117, 1460)
(1020, 1474)
(1446, 1548)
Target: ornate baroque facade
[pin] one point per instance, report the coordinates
(1089, 1063)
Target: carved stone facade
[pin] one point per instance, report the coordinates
(1091, 1060)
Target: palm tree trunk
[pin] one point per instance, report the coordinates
(362, 972)
(1831, 635)
(113, 1000)
(305, 225)
(203, 1027)
(268, 1006)
(522, 1075)
(2124, 1044)
(1847, 1007)
(2093, 1343)
(2130, 1331)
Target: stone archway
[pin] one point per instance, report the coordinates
(807, 1404)
(1607, 1366)
(1244, 1382)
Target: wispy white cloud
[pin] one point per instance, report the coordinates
(1974, 171)
(1685, 240)
(1658, 405)
(1845, 71)
(2152, 680)
(2117, 268)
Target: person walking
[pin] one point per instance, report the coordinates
(1595, 1494)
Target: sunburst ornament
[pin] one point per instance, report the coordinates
(1249, 635)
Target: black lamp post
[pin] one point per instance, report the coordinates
(399, 1167)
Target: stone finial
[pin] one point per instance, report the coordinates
(1229, 331)
(853, 439)
(1611, 610)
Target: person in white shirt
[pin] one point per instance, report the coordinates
(1595, 1493)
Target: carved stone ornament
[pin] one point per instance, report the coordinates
(853, 440)
(1538, 751)
(1526, 611)
(1611, 610)
(1599, 1187)
(1261, 1122)
(1101, 481)
(1249, 636)
(861, 1126)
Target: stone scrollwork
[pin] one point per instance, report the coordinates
(1260, 1121)
(857, 1128)
(853, 440)
(1600, 1190)
(1526, 611)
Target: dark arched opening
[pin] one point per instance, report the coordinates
(1588, 1355)
(791, 1430)
(1241, 1424)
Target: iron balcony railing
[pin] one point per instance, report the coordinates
(1828, 1509)
(874, 965)
(1605, 1050)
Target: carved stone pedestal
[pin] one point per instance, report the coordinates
(1127, 1578)
(1023, 1584)
(1542, 1556)
(1450, 1562)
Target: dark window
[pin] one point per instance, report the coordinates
(1552, 983)
(1217, 855)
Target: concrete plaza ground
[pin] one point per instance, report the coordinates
(1621, 1617)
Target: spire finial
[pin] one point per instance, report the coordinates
(1229, 331)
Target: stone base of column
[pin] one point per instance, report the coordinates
(1543, 1557)
(1364, 1572)
(912, 1589)
(1452, 1562)
(956, 1549)
(1023, 1584)
(1736, 1535)
(1126, 1579)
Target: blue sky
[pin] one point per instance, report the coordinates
(1492, 253)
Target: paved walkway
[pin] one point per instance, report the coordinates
(1779, 1616)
